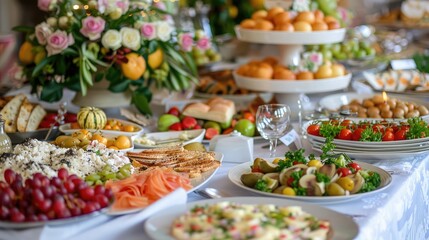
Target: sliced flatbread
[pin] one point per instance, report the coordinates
(10, 112)
(36, 117)
(24, 115)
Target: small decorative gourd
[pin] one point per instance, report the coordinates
(91, 118)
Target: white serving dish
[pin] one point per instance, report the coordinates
(293, 86)
(196, 183)
(194, 136)
(235, 173)
(158, 227)
(236, 147)
(67, 130)
(293, 38)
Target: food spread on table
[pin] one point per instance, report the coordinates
(93, 168)
(230, 220)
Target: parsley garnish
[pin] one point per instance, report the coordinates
(372, 181)
(330, 131)
(262, 185)
(418, 128)
(368, 135)
(320, 177)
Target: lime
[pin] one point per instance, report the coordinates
(245, 127)
(226, 125)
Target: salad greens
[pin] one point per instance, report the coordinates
(418, 128)
(372, 181)
(262, 185)
(368, 135)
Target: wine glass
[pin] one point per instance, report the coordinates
(272, 121)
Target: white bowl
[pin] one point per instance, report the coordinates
(194, 136)
(67, 130)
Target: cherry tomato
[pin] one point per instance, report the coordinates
(256, 169)
(314, 129)
(400, 134)
(395, 128)
(378, 128)
(345, 134)
(334, 122)
(364, 125)
(289, 181)
(405, 127)
(357, 134)
(347, 123)
(249, 116)
(389, 129)
(356, 167)
(388, 136)
(343, 171)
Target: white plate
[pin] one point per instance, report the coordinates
(284, 37)
(394, 148)
(67, 130)
(235, 173)
(196, 183)
(335, 101)
(376, 156)
(293, 86)
(194, 136)
(57, 222)
(158, 226)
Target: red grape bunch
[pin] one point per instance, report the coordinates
(40, 198)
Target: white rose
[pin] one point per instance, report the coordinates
(111, 39)
(42, 32)
(163, 30)
(130, 38)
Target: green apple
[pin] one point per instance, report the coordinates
(165, 121)
(226, 124)
(212, 124)
(327, 54)
(245, 127)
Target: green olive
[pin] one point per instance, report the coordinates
(334, 189)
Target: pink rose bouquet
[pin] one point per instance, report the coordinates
(82, 42)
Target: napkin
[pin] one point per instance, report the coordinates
(101, 227)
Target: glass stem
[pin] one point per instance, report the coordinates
(273, 145)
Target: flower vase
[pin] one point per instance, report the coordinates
(100, 96)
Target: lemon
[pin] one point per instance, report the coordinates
(156, 58)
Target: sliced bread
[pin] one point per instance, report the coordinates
(36, 117)
(10, 112)
(24, 115)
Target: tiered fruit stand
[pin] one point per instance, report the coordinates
(290, 45)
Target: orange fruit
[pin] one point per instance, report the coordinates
(26, 55)
(110, 142)
(116, 127)
(74, 125)
(128, 128)
(156, 58)
(113, 147)
(122, 142)
(99, 138)
(107, 127)
(135, 67)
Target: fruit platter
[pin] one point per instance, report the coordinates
(376, 106)
(372, 139)
(332, 178)
(91, 118)
(216, 116)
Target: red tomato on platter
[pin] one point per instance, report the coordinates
(357, 134)
(401, 135)
(249, 116)
(210, 133)
(388, 136)
(343, 171)
(345, 134)
(290, 181)
(378, 128)
(347, 123)
(313, 129)
(405, 127)
(356, 167)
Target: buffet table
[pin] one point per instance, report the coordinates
(399, 212)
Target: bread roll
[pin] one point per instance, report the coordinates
(10, 113)
(216, 109)
(36, 117)
(24, 115)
